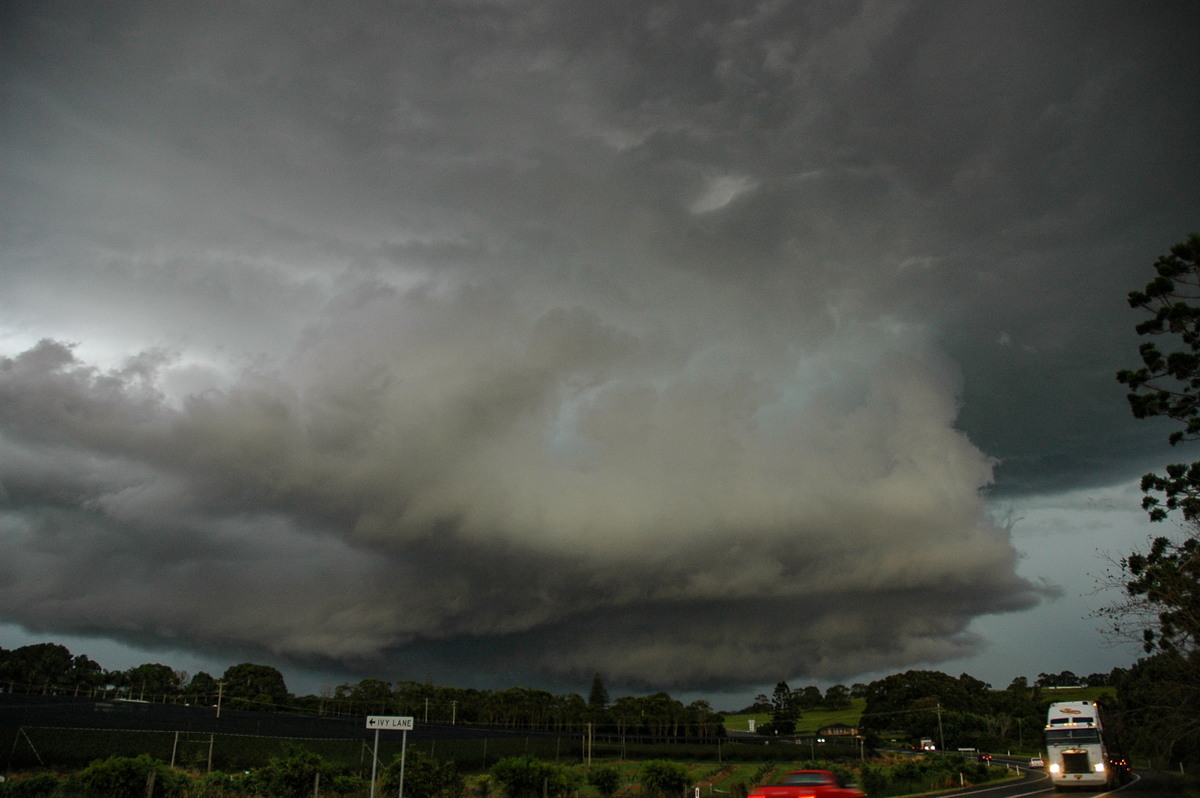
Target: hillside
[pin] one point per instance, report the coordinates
(816, 719)
(809, 723)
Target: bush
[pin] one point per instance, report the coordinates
(663, 778)
(606, 779)
(121, 776)
(218, 784)
(293, 775)
(39, 786)
(874, 780)
(348, 784)
(424, 777)
(527, 777)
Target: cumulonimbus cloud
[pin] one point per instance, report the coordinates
(550, 491)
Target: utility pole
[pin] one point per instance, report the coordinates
(941, 734)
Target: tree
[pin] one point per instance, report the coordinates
(1169, 385)
(370, 696)
(925, 704)
(1167, 578)
(785, 710)
(261, 686)
(85, 672)
(38, 666)
(702, 720)
(657, 714)
(809, 698)
(837, 697)
(761, 704)
(203, 686)
(152, 679)
(598, 697)
(1157, 706)
(626, 714)
(1162, 585)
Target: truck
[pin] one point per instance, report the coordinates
(807, 784)
(1076, 755)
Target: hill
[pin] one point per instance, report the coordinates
(808, 723)
(819, 718)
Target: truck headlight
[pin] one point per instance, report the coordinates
(1099, 767)
(1055, 767)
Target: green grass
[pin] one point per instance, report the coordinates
(1078, 693)
(810, 721)
(816, 719)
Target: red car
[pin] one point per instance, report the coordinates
(808, 784)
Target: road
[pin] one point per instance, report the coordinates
(1036, 784)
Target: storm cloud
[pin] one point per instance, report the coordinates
(684, 342)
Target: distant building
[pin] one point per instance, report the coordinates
(837, 730)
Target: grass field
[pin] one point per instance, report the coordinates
(816, 719)
(808, 724)
(1078, 693)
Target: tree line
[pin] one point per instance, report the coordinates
(971, 709)
(51, 668)
(954, 711)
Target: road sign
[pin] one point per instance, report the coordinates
(404, 722)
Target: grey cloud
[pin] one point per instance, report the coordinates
(515, 328)
(451, 469)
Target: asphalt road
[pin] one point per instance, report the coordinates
(1037, 783)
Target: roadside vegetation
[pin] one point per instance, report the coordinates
(301, 773)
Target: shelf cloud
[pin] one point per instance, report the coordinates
(697, 344)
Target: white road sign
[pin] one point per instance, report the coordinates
(404, 722)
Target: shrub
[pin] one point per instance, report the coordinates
(39, 786)
(424, 776)
(293, 774)
(606, 779)
(347, 784)
(122, 776)
(527, 777)
(218, 784)
(663, 778)
(874, 780)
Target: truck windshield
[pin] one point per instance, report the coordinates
(1072, 736)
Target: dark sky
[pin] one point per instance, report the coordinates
(700, 344)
